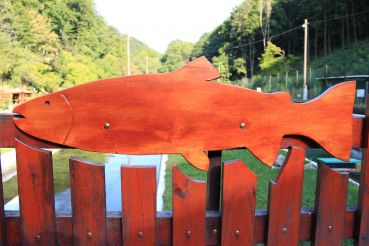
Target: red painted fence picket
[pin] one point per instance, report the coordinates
(87, 184)
(188, 210)
(238, 204)
(138, 205)
(36, 195)
(284, 203)
(330, 207)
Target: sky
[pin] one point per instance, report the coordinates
(157, 22)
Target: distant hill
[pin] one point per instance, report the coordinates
(56, 44)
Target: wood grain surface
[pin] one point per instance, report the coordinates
(138, 205)
(330, 207)
(36, 195)
(362, 222)
(2, 214)
(189, 206)
(87, 185)
(9, 132)
(284, 202)
(238, 204)
(183, 112)
(164, 227)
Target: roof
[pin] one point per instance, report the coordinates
(16, 90)
(359, 76)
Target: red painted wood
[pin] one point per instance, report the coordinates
(132, 107)
(87, 184)
(138, 205)
(9, 132)
(2, 215)
(284, 203)
(36, 195)
(188, 210)
(164, 227)
(64, 225)
(362, 234)
(330, 207)
(13, 229)
(238, 204)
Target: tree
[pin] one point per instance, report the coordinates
(272, 60)
(221, 62)
(177, 54)
(265, 11)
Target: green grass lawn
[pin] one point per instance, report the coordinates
(60, 170)
(264, 173)
(4, 150)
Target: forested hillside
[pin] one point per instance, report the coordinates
(56, 44)
(239, 46)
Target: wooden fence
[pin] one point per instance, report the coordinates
(196, 218)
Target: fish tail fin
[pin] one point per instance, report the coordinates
(329, 122)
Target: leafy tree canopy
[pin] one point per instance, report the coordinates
(177, 54)
(56, 44)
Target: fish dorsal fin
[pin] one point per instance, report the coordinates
(199, 68)
(286, 96)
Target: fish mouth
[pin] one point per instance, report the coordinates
(17, 116)
(19, 113)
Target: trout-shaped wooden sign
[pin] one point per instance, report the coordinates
(184, 112)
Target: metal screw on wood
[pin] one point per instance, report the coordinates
(188, 233)
(106, 125)
(38, 237)
(89, 235)
(140, 234)
(284, 229)
(215, 231)
(330, 228)
(237, 233)
(242, 125)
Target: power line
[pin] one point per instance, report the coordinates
(297, 27)
(339, 17)
(270, 38)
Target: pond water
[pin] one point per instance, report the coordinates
(112, 164)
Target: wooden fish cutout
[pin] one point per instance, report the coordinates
(183, 112)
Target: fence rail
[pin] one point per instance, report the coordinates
(192, 222)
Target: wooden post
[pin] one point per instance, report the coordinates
(213, 181)
(362, 225)
(286, 81)
(270, 83)
(297, 76)
(2, 215)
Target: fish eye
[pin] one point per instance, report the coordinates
(47, 103)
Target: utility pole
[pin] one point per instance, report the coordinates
(147, 65)
(128, 57)
(305, 89)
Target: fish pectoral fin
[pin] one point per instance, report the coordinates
(199, 68)
(267, 151)
(197, 159)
